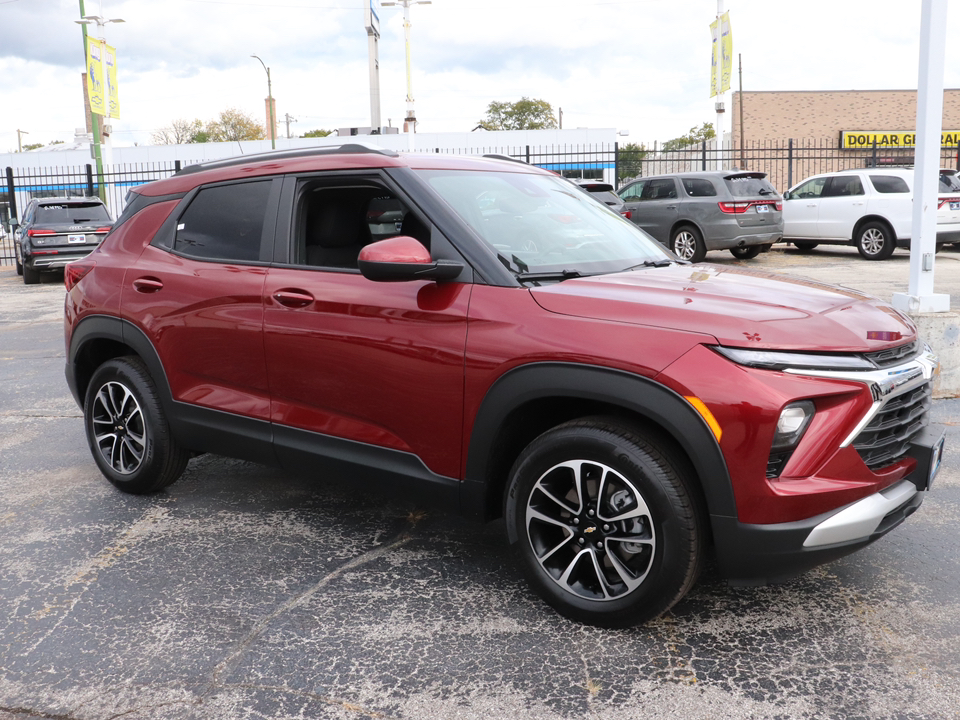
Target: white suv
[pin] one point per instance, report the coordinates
(869, 208)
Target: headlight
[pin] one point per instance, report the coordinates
(773, 360)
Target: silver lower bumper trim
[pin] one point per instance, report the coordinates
(860, 520)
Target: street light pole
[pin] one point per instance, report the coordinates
(410, 122)
(19, 144)
(270, 117)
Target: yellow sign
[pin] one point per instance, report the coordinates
(102, 88)
(850, 139)
(112, 89)
(722, 60)
(95, 84)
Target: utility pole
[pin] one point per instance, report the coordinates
(19, 144)
(372, 25)
(409, 122)
(289, 120)
(271, 108)
(94, 120)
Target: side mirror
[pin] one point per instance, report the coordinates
(787, 195)
(401, 259)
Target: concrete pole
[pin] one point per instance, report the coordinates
(933, 43)
(719, 80)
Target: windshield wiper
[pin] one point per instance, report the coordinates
(652, 263)
(558, 275)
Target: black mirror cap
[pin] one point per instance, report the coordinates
(438, 270)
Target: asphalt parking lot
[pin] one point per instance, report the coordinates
(243, 592)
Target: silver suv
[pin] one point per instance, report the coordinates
(694, 212)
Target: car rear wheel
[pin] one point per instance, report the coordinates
(127, 430)
(687, 244)
(746, 253)
(30, 276)
(16, 259)
(606, 527)
(875, 241)
(805, 247)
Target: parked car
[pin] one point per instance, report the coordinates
(692, 213)
(870, 208)
(604, 192)
(56, 231)
(512, 349)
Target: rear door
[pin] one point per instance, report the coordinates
(654, 206)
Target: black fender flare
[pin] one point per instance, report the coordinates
(108, 327)
(633, 393)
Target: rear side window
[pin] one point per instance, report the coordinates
(224, 222)
(843, 185)
(659, 189)
(889, 184)
(748, 186)
(949, 183)
(699, 187)
(72, 213)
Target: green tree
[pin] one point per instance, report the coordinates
(525, 114)
(32, 146)
(232, 124)
(694, 136)
(630, 163)
(316, 133)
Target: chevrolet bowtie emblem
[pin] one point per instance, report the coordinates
(589, 530)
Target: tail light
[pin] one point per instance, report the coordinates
(734, 208)
(779, 205)
(103, 230)
(946, 201)
(33, 232)
(627, 214)
(75, 272)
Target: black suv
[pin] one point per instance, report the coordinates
(56, 231)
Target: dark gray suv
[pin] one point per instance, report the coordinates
(694, 212)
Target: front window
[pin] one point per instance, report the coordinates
(541, 224)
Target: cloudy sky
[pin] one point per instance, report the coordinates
(636, 65)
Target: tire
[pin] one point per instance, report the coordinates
(746, 253)
(127, 430)
(875, 241)
(16, 259)
(805, 247)
(619, 573)
(687, 244)
(30, 276)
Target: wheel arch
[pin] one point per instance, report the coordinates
(532, 399)
(684, 222)
(872, 218)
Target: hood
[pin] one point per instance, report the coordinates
(739, 307)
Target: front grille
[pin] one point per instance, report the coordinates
(894, 356)
(886, 439)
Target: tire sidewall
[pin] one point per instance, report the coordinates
(699, 251)
(132, 376)
(668, 571)
(888, 242)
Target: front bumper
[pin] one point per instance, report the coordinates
(759, 554)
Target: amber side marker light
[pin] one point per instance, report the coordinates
(705, 414)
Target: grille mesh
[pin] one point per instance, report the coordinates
(894, 356)
(886, 439)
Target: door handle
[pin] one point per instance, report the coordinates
(671, 207)
(147, 285)
(293, 298)
(812, 205)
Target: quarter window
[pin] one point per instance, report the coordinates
(225, 222)
(699, 187)
(889, 184)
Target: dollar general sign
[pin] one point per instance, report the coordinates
(866, 138)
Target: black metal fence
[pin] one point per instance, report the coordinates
(785, 162)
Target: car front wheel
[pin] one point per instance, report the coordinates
(687, 244)
(875, 241)
(606, 527)
(127, 430)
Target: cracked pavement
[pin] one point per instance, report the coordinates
(243, 592)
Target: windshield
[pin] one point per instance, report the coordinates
(949, 183)
(542, 224)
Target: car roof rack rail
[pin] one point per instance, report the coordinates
(345, 149)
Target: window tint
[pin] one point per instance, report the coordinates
(949, 183)
(72, 213)
(889, 184)
(225, 222)
(661, 189)
(843, 185)
(748, 186)
(336, 222)
(699, 187)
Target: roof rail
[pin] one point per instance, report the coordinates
(346, 148)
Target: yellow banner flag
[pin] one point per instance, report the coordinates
(726, 52)
(715, 56)
(95, 81)
(112, 90)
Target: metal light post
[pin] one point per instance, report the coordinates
(270, 111)
(410, 122)
(105, 155)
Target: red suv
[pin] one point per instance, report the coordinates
(483, 334)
